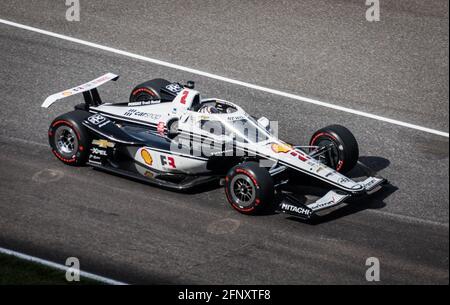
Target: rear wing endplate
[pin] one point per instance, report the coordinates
(89, 90)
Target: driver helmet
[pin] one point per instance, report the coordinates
(208, 109)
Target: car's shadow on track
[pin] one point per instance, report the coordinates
(367, 166)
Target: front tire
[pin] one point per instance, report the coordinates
(69, 139)
(344, 151)
(249, 188)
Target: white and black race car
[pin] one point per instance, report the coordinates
(167, 135)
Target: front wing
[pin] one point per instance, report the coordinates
(306, 210)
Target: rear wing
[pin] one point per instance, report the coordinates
(89, 90)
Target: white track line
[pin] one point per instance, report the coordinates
(410, 219)
(54, 265)
(225, 79)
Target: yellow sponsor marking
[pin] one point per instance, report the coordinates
(147, 157)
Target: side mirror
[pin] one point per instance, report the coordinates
(190, 84)
(173, 129)
(264, 122)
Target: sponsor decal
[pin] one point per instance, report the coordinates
(319, 169)
(318, 206)
(98, 151)
(67, 93)
(339, 165)
(174, 87)
(222, 152)
(148, 115)
(303, 157)
(97, 119)
(149, 174)
(281, 148)
(371, 183)
(147, 157)
(103, 143)
(94, 157)
(236, 118)
(160, 127)
(144, 103)
(326, 202)
(168, 161)
(343, 180)
(295, 209)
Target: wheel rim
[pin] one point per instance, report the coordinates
(243, 190)
(66, 141)
(331, 157)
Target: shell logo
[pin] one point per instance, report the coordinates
(147, 157)
(281, 148)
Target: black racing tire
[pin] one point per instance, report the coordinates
(345, 153)
(249, 188)
(69, 139)
(149, 90)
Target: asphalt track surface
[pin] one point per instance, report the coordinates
(137, 233)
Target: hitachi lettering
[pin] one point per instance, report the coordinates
(293, 208)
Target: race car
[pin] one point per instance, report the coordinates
(167, 135)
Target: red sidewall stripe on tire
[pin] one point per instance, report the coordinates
(62, 158)
(243, 171)
(69, 124)
(322, 134)
(236, 207)
(61, 122)
(233, 204)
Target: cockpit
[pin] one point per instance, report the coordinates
(212, 106)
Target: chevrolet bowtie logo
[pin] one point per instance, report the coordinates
(103, 143)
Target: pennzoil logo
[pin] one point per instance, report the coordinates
(147, 157)
(103, 143)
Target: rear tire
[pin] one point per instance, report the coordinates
(149, 91)
(345, 151)
(69, 139)
(249, 188)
